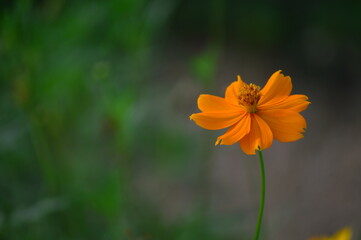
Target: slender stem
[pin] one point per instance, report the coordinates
(261, 205)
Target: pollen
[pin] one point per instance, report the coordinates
(249, 96)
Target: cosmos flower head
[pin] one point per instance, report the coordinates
(254, 116)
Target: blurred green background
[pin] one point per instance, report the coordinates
(95, 139)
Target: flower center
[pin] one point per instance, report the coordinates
(249, 96)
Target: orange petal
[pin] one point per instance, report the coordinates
(259, 137)
(296, 102)
(344, 234)
(236, 132)
(277, 86)
(210, 103)
(215, 121)
(286, 125)
(232, 91)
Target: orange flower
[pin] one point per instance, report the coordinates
(255, 116)
(343, 234)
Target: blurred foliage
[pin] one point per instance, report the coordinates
(83, 117)
(70, 130)
(204, 66)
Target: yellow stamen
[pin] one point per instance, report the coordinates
(249, 96)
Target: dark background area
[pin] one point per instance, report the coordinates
(95, 137)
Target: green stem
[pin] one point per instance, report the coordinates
(261, 205)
